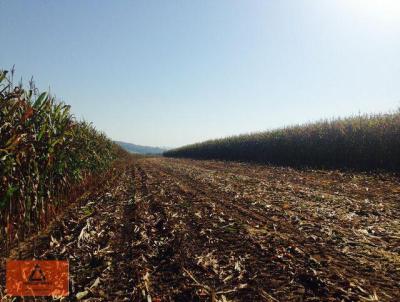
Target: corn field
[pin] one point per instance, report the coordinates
(368, 142)
(44, 153)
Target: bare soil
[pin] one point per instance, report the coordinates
(182, 230)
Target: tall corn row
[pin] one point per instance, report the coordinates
(366, 142)
(44, 151)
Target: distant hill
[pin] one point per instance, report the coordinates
(132, 148)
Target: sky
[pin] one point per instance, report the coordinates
(170, 73)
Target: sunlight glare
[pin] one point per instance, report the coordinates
(380, 13)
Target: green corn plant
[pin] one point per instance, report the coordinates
(44, 152)
(368, 142)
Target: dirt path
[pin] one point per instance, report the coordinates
(181, 230)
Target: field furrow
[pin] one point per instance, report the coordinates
(183, 230)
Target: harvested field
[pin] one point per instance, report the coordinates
(184, 230)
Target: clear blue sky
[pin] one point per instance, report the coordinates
(169, 73)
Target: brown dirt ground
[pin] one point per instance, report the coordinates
(182, 230)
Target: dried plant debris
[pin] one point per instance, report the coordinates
(183, 230)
